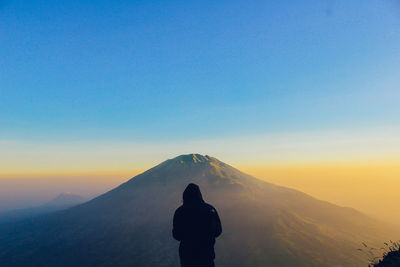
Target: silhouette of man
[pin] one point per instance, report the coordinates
(196, 225)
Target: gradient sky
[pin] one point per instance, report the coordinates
(114, 87)
(151, 70)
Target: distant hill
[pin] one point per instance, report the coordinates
(62, 201)
(66, 199)
(263, 224)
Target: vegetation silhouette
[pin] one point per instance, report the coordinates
(386, 256)
(390, 258)
(196, 224)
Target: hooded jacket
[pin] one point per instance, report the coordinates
(196, 224)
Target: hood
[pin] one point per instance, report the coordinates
(192, 195)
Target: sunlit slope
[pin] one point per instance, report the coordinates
(263, 224)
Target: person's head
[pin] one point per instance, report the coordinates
(192, 194)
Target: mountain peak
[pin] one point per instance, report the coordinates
(193, 158)
(186, 168)
(194, 168)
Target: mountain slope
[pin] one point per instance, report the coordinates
(263, 224)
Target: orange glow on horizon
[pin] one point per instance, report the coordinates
(371, 187)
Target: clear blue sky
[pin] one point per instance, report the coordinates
(162, 70)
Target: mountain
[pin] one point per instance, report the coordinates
(62, 201)
(263, 224)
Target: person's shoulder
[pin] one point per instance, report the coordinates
(210, 207)
(179, 209)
